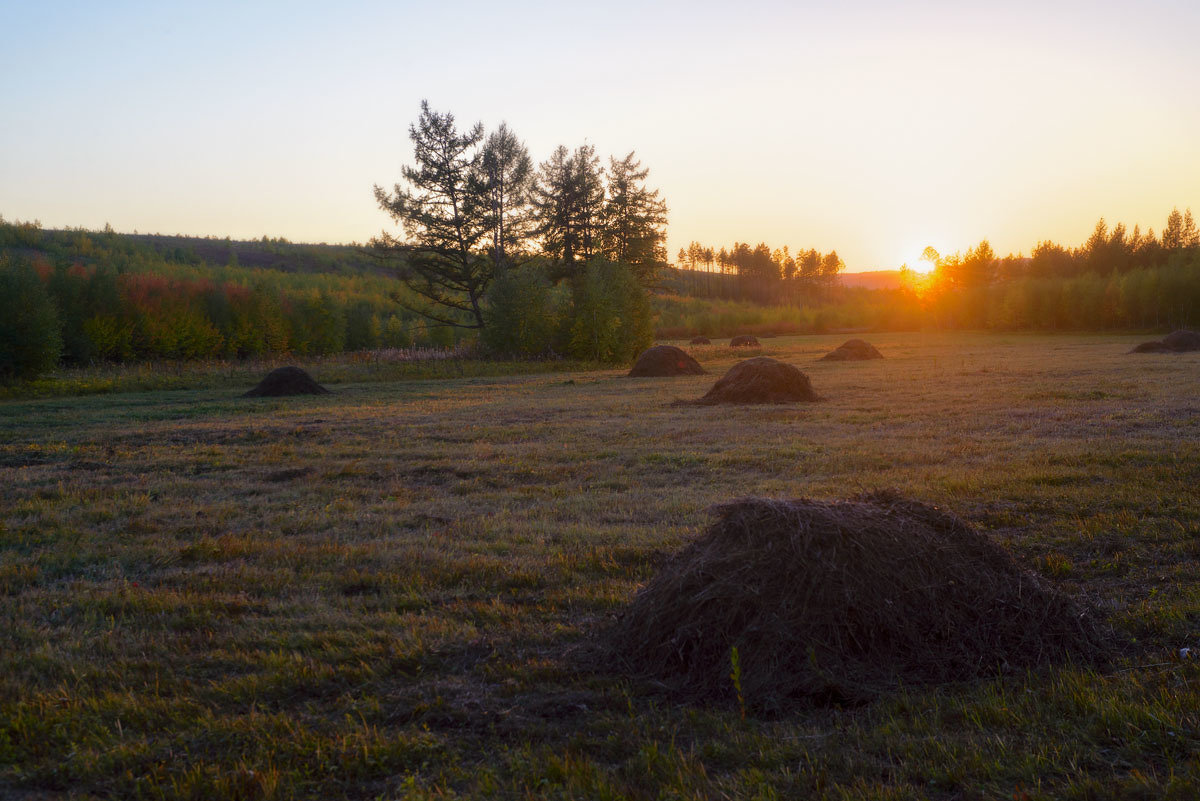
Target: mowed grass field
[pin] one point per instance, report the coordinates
(389, 592)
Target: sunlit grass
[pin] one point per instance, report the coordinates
(377, 593)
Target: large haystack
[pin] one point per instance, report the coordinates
(760, 380)
(284, 381)
(665, 360)
(744, 341)
(1182, 341)
(853, 350)
(839, 601)
(700, 340)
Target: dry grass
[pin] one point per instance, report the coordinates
(378, 593)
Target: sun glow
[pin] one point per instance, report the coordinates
(919, 259)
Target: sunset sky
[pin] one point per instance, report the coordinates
(874, 128)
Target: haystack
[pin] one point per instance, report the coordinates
(840, 601)
(744, 341)
(284, 381)
(665, 360)
(1182, 341)
(760, 380)
(853, 350)
(700, 340)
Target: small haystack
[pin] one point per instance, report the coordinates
(744, 341)
(853, 350)
(760, 380)
(1182, 341)
(839, 601)
(665, 360)
(1154, 346)
(700, 340)
(283, 381)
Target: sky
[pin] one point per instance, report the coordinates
(872, 128)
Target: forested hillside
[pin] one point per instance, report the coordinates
(101, 296)
(119, 297)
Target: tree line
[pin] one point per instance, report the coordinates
(762, 274)
(1116, 278)
(1107, 250)
(552, 258)
(81, 297)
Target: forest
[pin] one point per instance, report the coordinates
(101, 296)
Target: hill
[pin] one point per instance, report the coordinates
(872, 279)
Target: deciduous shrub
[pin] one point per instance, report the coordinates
(521, 315)
(29, 337)
(610, 318)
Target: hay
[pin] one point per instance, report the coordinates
(853, 350)
(841, 601)
(760, 380)
(1182, 341)
(665, 360)
(744, 341)
(700, 340)
(1152, 347)
(284, 381)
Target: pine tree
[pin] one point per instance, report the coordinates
(505, 173)
(568, 198)
(445, 214)
(1173, 234)
(1189, 236)
(635, 220)
(831, 266)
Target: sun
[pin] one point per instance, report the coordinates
(921, 259)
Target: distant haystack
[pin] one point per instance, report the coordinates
(1154, 346)
(285, 381)
(854, 350)
(700, 340)
(760, 380)
(1182, 341)
(665, 360)
(744, 341)
(839, 601)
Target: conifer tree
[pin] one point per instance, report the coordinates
(445, 215)
(506, 174)
(568, 199)
(635, 220)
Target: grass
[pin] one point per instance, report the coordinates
(338, 368)
(383, 593)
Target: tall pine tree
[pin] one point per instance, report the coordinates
(506, 174)
(445, 215)
(634, 220)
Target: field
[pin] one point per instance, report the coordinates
(385, 592)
